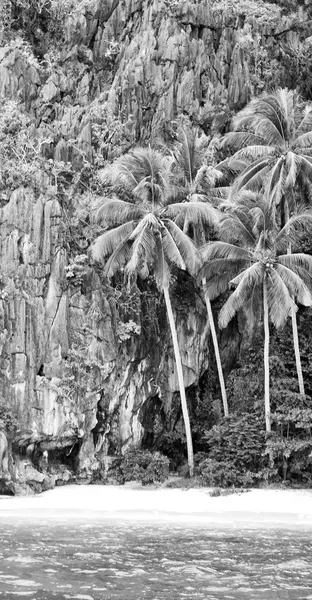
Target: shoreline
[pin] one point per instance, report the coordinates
(252, 508)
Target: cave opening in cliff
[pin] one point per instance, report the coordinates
(67, 456)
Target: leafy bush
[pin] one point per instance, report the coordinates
(20, 152)
(30, 16)
(144, 466)
(291, 441)
(236, 452)
(8, 418)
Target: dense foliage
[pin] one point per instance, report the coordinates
(167, 207)
(235, 452)
(144, 466)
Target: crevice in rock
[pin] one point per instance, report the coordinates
(93, 37)
(40, 372)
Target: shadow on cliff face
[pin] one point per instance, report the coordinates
(152, 417)
(164, 432)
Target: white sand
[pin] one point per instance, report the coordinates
(289, 507)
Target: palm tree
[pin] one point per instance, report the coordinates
(273, 135)
(272, 141)
(259, 270)
(142, 236)
(197, 182)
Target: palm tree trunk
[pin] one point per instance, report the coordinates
(266, 359)
(177, 355)
(296, 344)
(297, 351)
(216, 351)
(293, 314)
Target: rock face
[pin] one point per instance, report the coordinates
(78, 363)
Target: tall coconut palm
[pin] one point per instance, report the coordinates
(197, 180)
(273, 135)
(259, 270)
(142, 236)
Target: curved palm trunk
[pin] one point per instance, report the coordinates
(266, 359)
(177, 355)
(216, 351)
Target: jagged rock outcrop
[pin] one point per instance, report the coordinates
(125, 69)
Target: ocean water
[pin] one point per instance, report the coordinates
(58, 558)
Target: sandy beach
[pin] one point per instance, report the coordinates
(252, 507)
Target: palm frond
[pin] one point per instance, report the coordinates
(294, 284)
(118, 176)
(224, 250)
(218, 274)
(143, 165)
(186, 247)
(235, 140)
(190, 153)
(291, 163)
(269, 111)
(270, 129)
(143, 251)
(261, 118)
(303, 141)
(115, 212)
(252, 276)
(272, 182)
(236, 228)
(150, 192)
(106, 243)
(118, 259)
(296, 226)
(280, 302)
(253, 176)
(305, 126)
(295, 261)
(255, 152)
(275, 184)
(171, 250)
(306, 166)
(287, 101)
(194, 212)
(149, 220)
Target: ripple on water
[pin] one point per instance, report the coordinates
(80, 597)
(25, 583)
(117, 561)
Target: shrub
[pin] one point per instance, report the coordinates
(144, 466)
(236, 452)
(8, 418)
(222, 473)
(291, 442)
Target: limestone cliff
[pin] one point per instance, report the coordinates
(99, 78)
